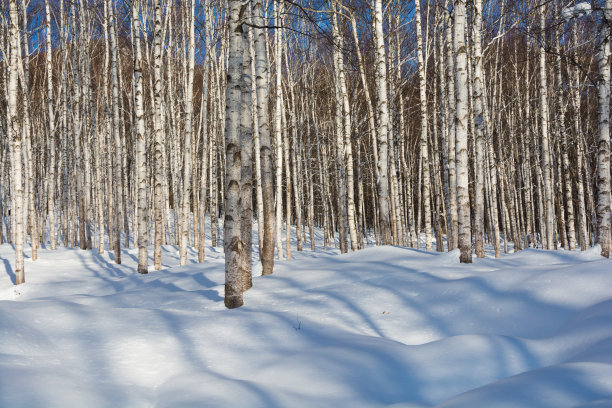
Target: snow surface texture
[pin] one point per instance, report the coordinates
(382, 327)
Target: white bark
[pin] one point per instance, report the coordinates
(278, 139)
(565, 175)
(256, 144)
(15, 139)
(141, 147)
(117, 157)
(479, 128)
(51, 137)
(461, 132)
(382, 182)
(232, 240)
(246, 158)
(265, 152)
(604, 217)
(548, 240)
(423, 139)
(339, 134)
(158, 193)
(187, 162)
(453, 241)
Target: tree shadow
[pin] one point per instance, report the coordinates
(9, 270)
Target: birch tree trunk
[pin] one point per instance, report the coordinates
(339, 133)
(158, 130)
(567, 183)
(278, 137)
(461, 132)
(97, 138)
(89, 132)
(15, 140)
(187, 162)
(548, 240)
(24, 72)
(118, 194)
(256, 141)
(479, 128)
(452, 159)
(423, 140)
(51, 138)
(296, 175)
(141, 147)
(604, 217)
(348, 153)
(232, 239)
(246, 158)
(205, 134)
(288, 214)
(382, 182)
(582, 215)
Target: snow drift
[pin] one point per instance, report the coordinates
(381, 327)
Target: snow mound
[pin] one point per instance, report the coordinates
(382, 327)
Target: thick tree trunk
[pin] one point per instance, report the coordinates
(382, 182)
(461, 132)
(232, 239)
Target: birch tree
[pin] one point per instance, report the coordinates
(424, 133)
(158, 133)
(382, 182)
(51, 136)
(15, 139)
(265, 152)
(117, 165)
(232, 241)
(549, 222)
(604, 217)
(187, 162)
(479, 127)
(141, 147)
(246, 154)
(461, 128)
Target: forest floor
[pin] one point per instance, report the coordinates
(385, 326)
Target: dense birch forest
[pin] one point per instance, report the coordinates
(446, 123)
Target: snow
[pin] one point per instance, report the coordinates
(382, 327)
(579, 10)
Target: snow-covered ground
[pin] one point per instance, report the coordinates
(381, 327)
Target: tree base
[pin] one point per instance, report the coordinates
(267, 267)
(233, 302)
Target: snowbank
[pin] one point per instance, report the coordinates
(381, 327)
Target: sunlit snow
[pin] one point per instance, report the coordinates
(385, 326)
